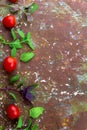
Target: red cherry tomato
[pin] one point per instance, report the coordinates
(9, 21)
(12, 111)
(13, 1)
(9, 64)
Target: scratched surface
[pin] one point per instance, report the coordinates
(59, 33)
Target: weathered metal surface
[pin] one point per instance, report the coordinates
(59, 33)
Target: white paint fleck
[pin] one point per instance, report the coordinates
(43, 81)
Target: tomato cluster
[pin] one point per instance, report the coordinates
(9, 64)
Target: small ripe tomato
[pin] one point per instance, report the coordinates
(13, 1)
(9, 21)
(9, 64)
(12, 111)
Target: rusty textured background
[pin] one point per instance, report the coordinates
(59, 33)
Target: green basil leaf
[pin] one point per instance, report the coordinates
(28, 35)
(33, 7)
(20, 33)
(30, 44)
(2, 40)
(21, 82)
(14, 78)
(20, 122)
(26, 56)
(0, 127)
(15, 44)
(29, 41)
(35, 112)
(35, 85)
(13, 52)
(13, 34)
(29, 125)
(13, 96)
(35, 127)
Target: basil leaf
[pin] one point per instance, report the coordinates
(35, 85)
(1, 37)
(21, 82)
(13, 96)
(35, 112)
(15, 44)
(13, 34)
(2, 40)
(14, 78)
(30, 44)
(20, 33)
(27, 93)
(13, 52)
(29, 41)
(29, 125)
(35, 127)
(20, 122)
(0, 127)
(33, 7)
(26, 56)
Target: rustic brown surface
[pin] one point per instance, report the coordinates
(59, 33)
